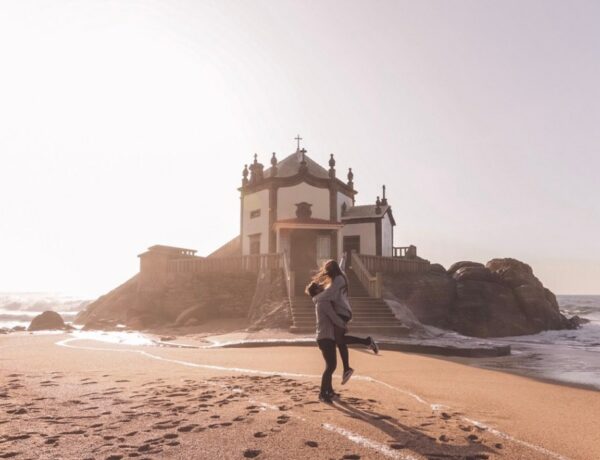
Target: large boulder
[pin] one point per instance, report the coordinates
(473, 273)
(487, 309)
(513, 272)
(464, 263)
(501, 298)
(48, 320)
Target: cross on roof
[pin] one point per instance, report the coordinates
(298, 138)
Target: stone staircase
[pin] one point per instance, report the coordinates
(369, 315)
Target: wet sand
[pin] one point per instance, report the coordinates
(66, 398)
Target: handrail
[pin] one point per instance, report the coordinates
(371, 283)
(342, 263)
(289, 278)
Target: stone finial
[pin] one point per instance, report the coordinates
(384, 201)
(256, 170)
(350, 178)
(273, 165)
(245, 176)
(303, 165)
(331, 166)
(378, 206)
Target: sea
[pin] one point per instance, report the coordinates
(569, 356)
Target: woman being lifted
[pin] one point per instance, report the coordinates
(333, 286)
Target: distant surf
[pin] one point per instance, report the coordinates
(19, 308)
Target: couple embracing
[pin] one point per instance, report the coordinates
(329, 291)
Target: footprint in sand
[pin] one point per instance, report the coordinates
(397, 445)
(312, 443)
(252, 453)
(283, 419)
(260, 434)
(351, 457)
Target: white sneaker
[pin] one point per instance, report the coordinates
(347, 375)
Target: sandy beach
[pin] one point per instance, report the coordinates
(63, 397)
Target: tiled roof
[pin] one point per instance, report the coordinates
(364, 211)
(289, 167)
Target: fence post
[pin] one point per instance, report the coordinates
(378, 285)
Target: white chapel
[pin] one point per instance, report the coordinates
(301, 208)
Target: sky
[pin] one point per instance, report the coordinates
(125, 124)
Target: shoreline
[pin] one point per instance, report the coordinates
(471, 357)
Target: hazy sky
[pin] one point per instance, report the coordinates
(127, 123)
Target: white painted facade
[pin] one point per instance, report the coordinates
(258, 201)
(366, 232)
(267, 227)
(341, 199)
(287, 197)
(387, 235)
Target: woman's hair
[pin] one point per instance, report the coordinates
(328, 272)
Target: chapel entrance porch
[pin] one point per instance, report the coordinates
(307, 245)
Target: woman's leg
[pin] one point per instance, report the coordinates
(349, 339)
(327, 347)
(340, 340)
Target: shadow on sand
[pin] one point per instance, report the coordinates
(408, 438)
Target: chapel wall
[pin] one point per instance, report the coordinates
(287, 197)
(255, 225)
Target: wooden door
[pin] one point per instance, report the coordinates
(303, 257)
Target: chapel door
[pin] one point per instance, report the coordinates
(352, 243)
(303, 257)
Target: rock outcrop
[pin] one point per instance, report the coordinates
(182, 300)
(48, 320)
(270, 307)
(500, 298)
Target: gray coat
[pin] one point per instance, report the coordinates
(326, 319)
(337, 293)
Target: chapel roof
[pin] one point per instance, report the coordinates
(289, 166)
(365, 211)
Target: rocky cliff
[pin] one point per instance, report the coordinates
(500, 298)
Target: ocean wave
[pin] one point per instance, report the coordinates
(41, 301)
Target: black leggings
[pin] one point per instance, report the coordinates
(343, 341)
(327, 347)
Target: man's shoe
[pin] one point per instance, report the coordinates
(347, 375)
(373, 346)
(325, 398)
